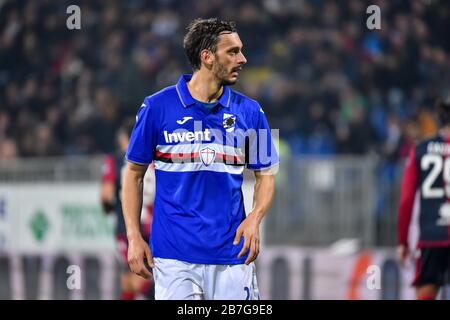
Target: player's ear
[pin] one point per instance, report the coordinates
(207, 58)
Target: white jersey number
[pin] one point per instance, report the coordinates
(437, 163)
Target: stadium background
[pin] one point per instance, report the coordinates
(349, 103)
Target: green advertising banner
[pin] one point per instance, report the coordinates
(49, 218)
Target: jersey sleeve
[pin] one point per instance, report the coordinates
(408, 192)
(143, 137)
(261, 149)
(108, 171)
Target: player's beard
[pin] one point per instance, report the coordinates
(222, 74)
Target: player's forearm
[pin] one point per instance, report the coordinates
(263, 195)
(132, 202)
(408, 192)
(404, 219)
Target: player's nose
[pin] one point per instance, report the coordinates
(241, 59)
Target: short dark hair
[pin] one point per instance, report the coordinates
(204, 34)
(443, 111)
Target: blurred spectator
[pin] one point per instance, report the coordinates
(8, 149)
(327, 82)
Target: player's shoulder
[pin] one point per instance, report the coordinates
(241, 100)
(424, 145)
(162, 94)
(160, 98)
(434, 139)
(153, 103)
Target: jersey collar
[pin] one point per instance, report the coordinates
(186, 98)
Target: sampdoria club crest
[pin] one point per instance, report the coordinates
(229, 121)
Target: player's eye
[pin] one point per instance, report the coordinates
(234, 51)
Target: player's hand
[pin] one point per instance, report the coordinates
(138, 252)
(403, 254)
(249, 228)
(108, 206)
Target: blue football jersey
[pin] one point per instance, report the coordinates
(199, 153)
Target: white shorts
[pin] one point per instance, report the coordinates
(178, 280)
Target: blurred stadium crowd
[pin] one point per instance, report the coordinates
(327, 82)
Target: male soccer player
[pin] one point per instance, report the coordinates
(200, 135)
(426, 184)
(132, 285)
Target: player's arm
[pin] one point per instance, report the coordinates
(249, 228)
(138, 249)
(148, 194)
(107, 196)
(108, 187)
(408, 192)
